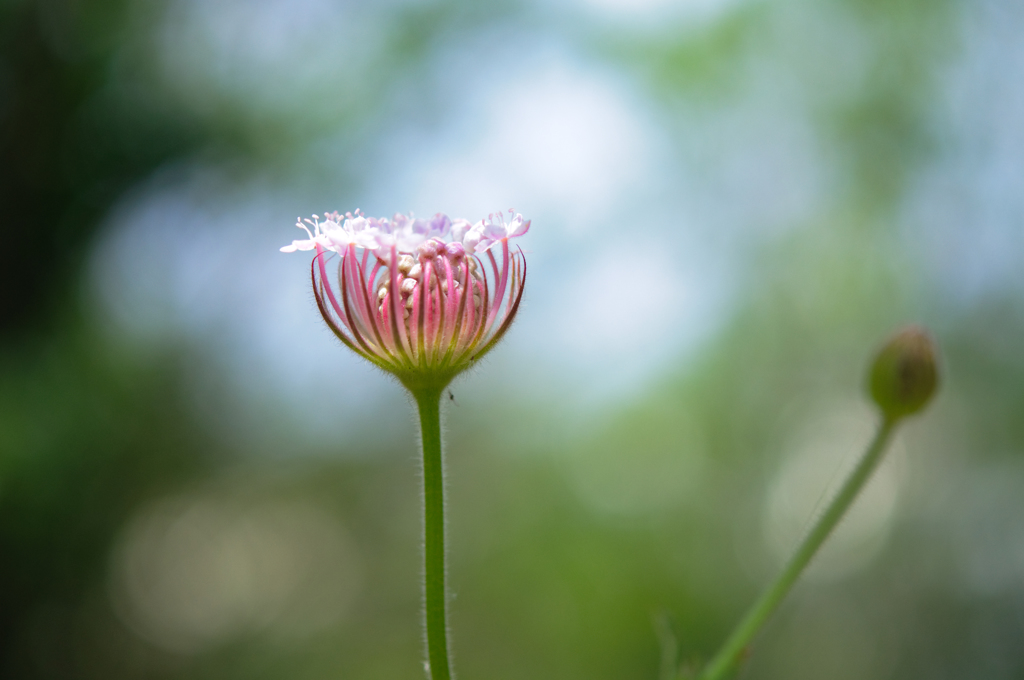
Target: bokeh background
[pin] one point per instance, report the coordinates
(733, 202)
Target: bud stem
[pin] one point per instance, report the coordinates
(435, 593)
(731, 652)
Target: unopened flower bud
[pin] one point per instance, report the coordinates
(904, 375)
(428, 250)
(456, 251)
(405, 263)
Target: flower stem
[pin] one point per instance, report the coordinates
(734, 647)
(429, 403)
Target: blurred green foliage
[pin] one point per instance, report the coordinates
(563, 554)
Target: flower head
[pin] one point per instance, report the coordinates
(421, 298)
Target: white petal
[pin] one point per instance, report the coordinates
(518, 227)
(305, 244)
(459, 229)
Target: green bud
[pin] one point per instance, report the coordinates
(904, 375)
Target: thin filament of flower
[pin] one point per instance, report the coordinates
(511, 315)
(344, 277)
(479, 325)
(499, 293)
(353, 279)
(470, 310)
(459, 318)
(512, 285)
(428, 286)
(319, 291)
(478, 329)
(397, 311)
(371, 310)
(371, 290)
(419, 313)
(319, 260)
(451, 300)
(444, 291)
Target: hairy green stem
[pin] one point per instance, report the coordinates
(733, 649)
(435, 592)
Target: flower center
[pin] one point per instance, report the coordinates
(433, 261)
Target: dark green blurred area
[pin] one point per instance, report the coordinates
(123, 514)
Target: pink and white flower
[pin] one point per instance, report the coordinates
(421, 298)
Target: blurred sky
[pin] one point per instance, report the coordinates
(645, 215)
